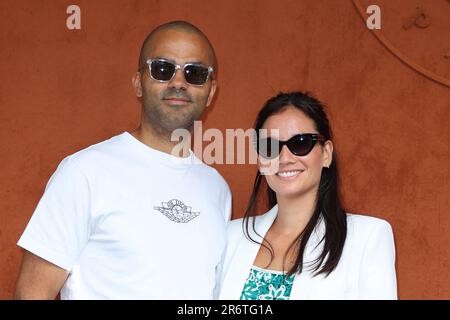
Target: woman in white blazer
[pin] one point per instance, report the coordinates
(306, 246)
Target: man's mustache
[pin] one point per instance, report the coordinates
(173, 93)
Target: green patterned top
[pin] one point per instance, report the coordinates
(263, 284)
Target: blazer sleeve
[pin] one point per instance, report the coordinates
(219, 270)
(377, 274)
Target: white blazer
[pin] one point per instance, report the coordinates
(366, 269)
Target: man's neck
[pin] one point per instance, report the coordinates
(156, 139)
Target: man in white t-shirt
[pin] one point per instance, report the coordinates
(125, 218)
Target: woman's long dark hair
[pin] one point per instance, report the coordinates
(328, 205)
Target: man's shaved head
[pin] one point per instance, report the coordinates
(172, 104)
(173, 25)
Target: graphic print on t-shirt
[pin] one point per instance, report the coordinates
(177, 211)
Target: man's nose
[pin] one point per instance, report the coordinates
(178, 81)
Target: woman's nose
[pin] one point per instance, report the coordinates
(286, 155)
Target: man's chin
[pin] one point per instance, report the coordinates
(178, 124)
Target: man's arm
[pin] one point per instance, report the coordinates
(39, 279)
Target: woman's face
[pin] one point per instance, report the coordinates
(293, 175)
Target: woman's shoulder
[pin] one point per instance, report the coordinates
(261, 222)
(365, 220)
(234, 225)
(364, 226)
(358, 225)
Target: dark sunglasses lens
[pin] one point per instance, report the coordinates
(268, 148)
(162, 70)
(301, 145)
(196, 74)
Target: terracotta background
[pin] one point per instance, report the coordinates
(61, 91)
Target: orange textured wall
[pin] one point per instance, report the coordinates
(63, 90)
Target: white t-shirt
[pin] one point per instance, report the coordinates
(131, 222)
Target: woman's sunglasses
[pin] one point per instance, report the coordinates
(299, 145)
(163, 71)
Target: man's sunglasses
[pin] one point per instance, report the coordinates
(163, 71)
(299, 145)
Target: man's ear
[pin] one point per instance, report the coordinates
(136, 81)
(211, 93)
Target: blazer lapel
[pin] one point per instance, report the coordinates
(303, 286)
(244, 256)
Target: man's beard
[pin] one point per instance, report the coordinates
(165, 118)
(170, 120)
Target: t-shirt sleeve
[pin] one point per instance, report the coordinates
(378, 277)
(60, 225)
